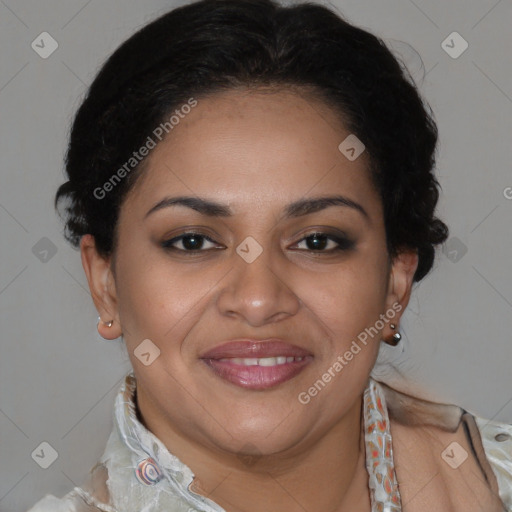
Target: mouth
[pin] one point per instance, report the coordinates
(257, 364)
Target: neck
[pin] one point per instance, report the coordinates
(327, 474)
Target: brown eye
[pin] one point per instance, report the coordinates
(324, 242)
(190, 242)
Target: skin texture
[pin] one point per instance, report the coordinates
(256, 152)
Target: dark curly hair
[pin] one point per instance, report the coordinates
(216, 45)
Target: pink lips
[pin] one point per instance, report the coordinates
(225, 361)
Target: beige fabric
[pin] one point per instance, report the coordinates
(421, 432)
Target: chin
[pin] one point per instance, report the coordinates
(262, 438)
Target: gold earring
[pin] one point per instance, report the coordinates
(395, 339)
(108, 324)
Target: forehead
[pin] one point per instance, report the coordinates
(254, 147)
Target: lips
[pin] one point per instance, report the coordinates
(255, 348)
(257, 364)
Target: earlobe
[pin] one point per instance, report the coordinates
(106, 329)
(102, 287)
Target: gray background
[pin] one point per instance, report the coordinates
(58, 378)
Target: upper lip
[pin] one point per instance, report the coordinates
(251, 348)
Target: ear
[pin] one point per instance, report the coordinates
(102, 286)
(400, 284)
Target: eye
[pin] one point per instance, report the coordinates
(320, 241)
(190, 242)
(193, 242)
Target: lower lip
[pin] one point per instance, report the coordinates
(257, 377)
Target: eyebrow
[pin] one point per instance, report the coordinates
(295, 209)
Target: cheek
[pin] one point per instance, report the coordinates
(352, 296)
(158, 299)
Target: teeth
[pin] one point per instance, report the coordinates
(262, 361)
(267, 361)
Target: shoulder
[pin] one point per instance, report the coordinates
(71, 502)
(92, 496)
(444, 447)
(76, 500)
(497, 442)
(51, 503)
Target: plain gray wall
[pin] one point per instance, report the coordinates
(58, 378)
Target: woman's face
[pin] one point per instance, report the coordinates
(252, 271)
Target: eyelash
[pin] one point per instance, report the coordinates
(344, 244)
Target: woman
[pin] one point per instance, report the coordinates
(252, 190)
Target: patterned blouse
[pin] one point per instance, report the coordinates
(137, 473)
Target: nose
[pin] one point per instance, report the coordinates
(258, 292)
